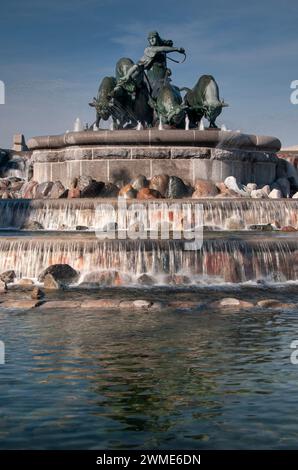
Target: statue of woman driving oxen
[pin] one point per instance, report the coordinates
(143, 92)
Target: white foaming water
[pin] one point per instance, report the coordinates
(78, 127)
(228, 260)
(201, 126)
(187, 123)
(67, 214)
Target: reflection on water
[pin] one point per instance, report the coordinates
(168, 379)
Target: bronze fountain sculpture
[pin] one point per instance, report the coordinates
(142, 93)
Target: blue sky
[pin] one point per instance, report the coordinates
(53, 55)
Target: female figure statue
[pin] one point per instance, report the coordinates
(154, 61)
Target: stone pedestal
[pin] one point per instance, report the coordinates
(119, 156)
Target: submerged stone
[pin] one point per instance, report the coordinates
(3, 286)
(273, 303)
(8, 276)
(37, 293)
(102, 304)
(142, 304)
(32, 225)
(231, 302)
(146, 280)
(20, 304)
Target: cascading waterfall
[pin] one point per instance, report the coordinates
(219, 260)
(65, 214)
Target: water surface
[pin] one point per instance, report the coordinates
(172, 379)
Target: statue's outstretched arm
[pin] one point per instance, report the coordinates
(169, 49)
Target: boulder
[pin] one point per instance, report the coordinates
(101, 304)
(176, 188)
(58, 190)
(230, 302)
(73, 193)
(3, 286)
(273, 303)
(58, 304)
(205, 189)
(178, 280)
(6, 195)
(29, 190)
(4, 184)
(82, 182)
(49, 282)
(275, 194)
(140, 182)
(8, 276)
(228, 194)
(43, 190)
(258, 194)
(251, 187)
(60, 272)
(106, 278)
(93, 189)
(126, 304)
(232, 184)
(224, 191)
(288, 228)
(142, 304)
(16, 186)
(37, 293)
(266, 189)
(110, 190)
(295, 196)
(262, 227)
(128, 192)
(146, 280)
(20, 304)
(147, 193)
(184, 304)
(32, 225)
(160, 183)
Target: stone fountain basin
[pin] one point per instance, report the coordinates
(155, 137)
(111, 156)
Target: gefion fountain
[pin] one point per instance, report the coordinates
(158, 154)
